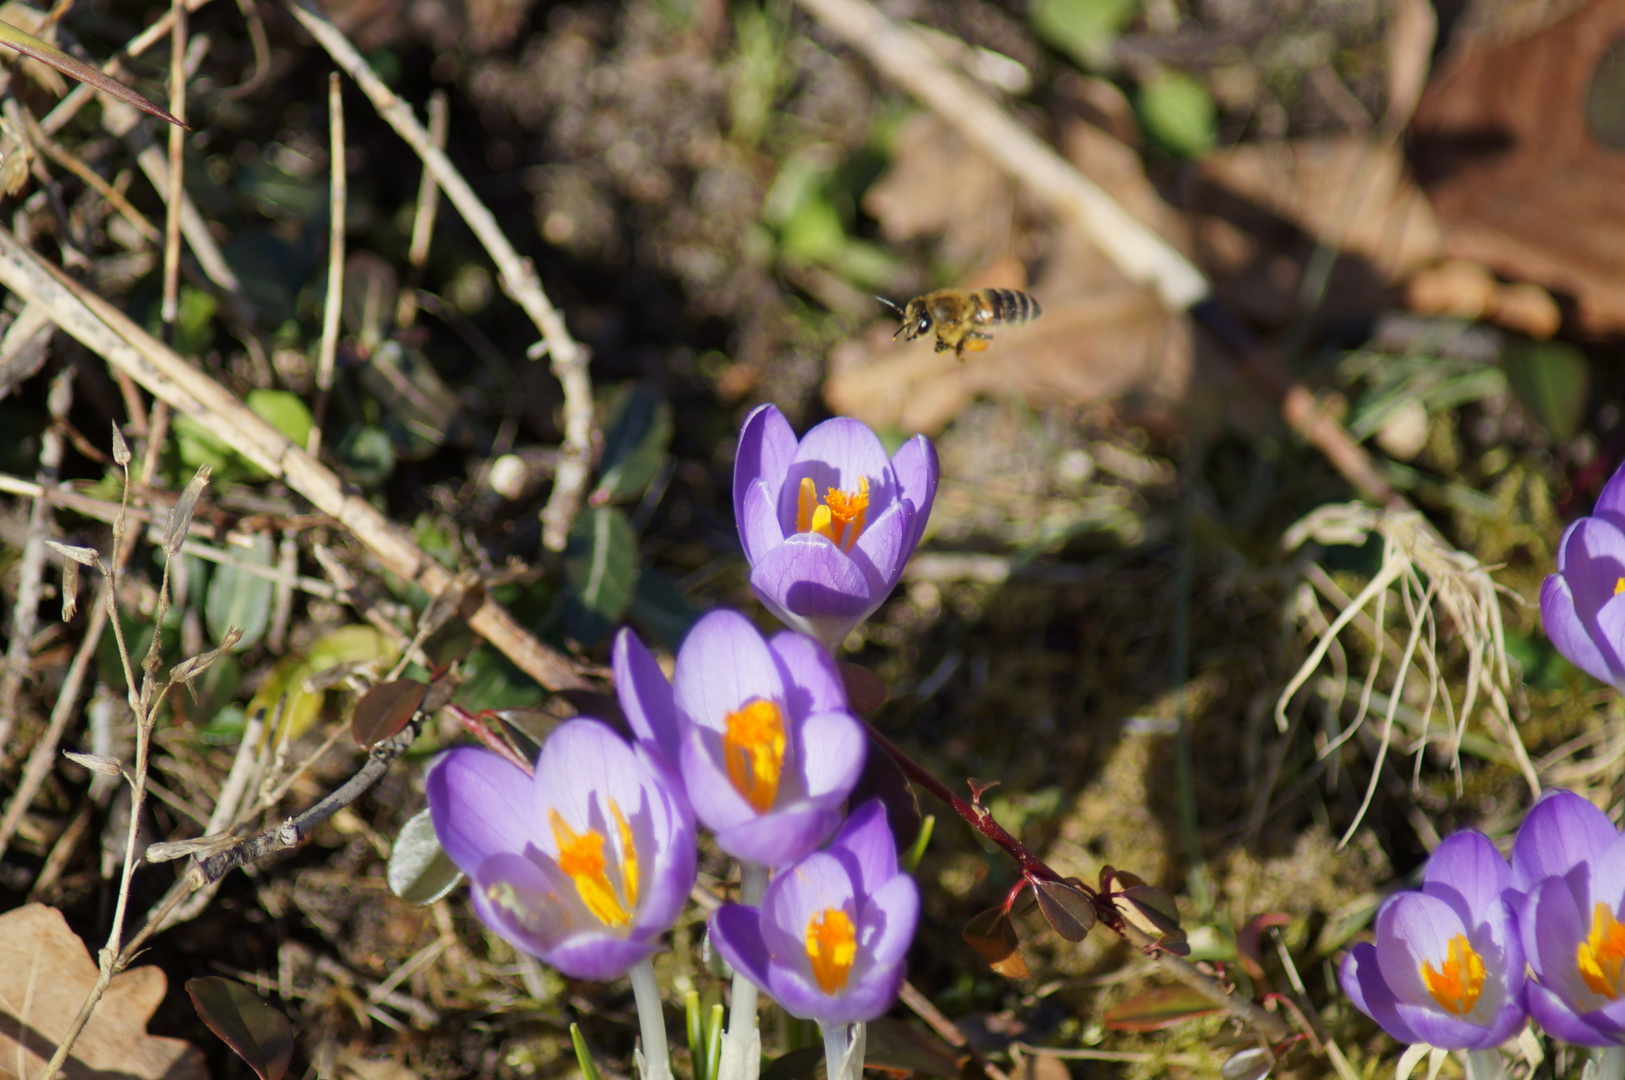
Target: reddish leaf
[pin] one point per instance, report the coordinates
(1066, 908)
(865, 691)
(258, 1033)
(993, 936)
(384, 710)
(882, 779)
(892, 1044)
(1247, 941)
(1154, 1010)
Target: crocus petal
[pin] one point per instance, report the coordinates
(813, 586)
(888, 922)
(531, 905)
(1362, 981)
(759, 529)
(1416, 928)
(1562, 831)
(1568, 635)
(601, 958)
(780, 837)
(1561, 1022)
(645, 695)
(737, 934)
(833, 746)
(1467, 870)
(723, 665)
(883, 549)
(811, 679)
(860, 1001)
(581, 763)
(1553, 921)
(767, 444)
(834, 455)
(480, 805)
(866, 848)
(711, 792)
(917, 471)
(1611, 503)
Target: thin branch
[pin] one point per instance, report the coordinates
(177, 167)
(568, 357)
(423, 218)
(337, 202)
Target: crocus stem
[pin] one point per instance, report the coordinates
(1611, 1064)
(652, 1021)
(1484, 1065)
(837, 1037)
(742, 1015)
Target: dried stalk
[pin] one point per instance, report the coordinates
(177, 167)
(568, 357)
(335, 264)
(105, 330)
(428, 204)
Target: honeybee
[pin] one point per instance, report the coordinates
(959, 316)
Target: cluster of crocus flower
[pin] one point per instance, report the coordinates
(1460, 964)
(587, 862)
(1583, 604)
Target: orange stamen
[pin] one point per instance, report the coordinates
(840, 517)
(832, 945)
(753, 750)
(1601, 957)
(1460, 980)
(581, 856)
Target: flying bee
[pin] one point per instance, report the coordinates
(961, 316)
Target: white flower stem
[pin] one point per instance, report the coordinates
(652, 1021)
(1485, 1064)
(1611, 1064)
(837, 1037)
(742, 1015)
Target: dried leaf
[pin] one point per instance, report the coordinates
(70, 589)
(187, 670)
(385, 710)
(107, 766)
(259, 1034)
(180, 518)
(993, 936)
(1516, 141)
(45, 973)
(84, 556)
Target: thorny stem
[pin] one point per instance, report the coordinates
(1034, 869)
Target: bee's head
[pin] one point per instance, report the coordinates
(916, 321)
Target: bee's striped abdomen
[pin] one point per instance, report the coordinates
(1010, 307)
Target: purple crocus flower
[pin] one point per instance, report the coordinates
(769, 751)
(1568, 863)
(1447, 968)
(827, 523)
(829, 939)
(584, 865)
(1583, 604)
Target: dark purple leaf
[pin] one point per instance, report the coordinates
(258, 1033)
(384, 710)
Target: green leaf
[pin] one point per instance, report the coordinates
(370, 454)
(1551, 380)
(240, 598)
(600, 573)
(284, 411)
(258, 1033)
(1178, 113)
(636, 439)
(1157, 1009)
(660, 604)
(420, 872)
(1084, 29)
(51, 56)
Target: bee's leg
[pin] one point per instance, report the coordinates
(942, 346)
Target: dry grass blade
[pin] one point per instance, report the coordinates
(49, 54)
(1436, 584)
(84, 556)
(187, 670)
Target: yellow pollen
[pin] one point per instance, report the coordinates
(1601, 957)
(840, 517)
(581, 856)
(753, 750)
(629, 855)
(1457, 986)
(832, 945)
(1619, 586)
